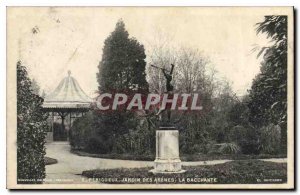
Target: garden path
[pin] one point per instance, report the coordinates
(70, 166)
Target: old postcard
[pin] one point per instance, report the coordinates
(150, 98)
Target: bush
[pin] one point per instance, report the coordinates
(31, 131)
(84, 136)
(88, 134)
(199, 149)
(270, 137)
(229, 148)
(223, 148)
(139, 141)
(81, 131)
(246, 138)
(194, 135)
(97, 145)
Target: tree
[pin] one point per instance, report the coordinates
(43, 94)
(123, 63)
(31, 131)
(122, 69)
(193, 73)
(35, 87)
(239, 112)
(268, 94)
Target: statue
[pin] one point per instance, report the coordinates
(167, 136)
(165, 121)
(169, 77)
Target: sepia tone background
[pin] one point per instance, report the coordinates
(73, 38)
(227, 36)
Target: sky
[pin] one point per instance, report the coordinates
(72, 39)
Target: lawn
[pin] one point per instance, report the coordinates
(235, 172)
(183, 157)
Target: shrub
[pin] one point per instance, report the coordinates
(89, 134)
(237, 133)
(223, 148)
(138, 141)
(270, 137)
(31, 131)
(246, 138)
(97, 145)
(199, 148)
(81, 131)
(229, 148)
(84, 136)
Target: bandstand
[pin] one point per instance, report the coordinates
(67, 102)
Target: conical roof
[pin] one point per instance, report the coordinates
(68, 94)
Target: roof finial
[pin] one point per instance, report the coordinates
(69, 72)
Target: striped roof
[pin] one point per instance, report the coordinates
(68, 94)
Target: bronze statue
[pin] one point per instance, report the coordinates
(168, 77)
(169, 87)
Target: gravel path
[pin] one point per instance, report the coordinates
(70, 166)
(275, 160)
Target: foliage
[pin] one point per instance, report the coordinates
(31, 131)
(138, 141)
(123, 62)
(193, 135)
(220, 122)
(268, 94)
(223, 149)
(81, 131)
(237, 133)
(270, 137)
(229, 148)
(238, 114)
(247, 138)
(35, 87)
(110, 127)
(183, 156)
(227, 124)
(236, 172)
(122, 69)
(192, 74)
(97, 144)
(85, 136)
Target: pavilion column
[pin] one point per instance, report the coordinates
(63, 121)
(70, 119)
(52, 127)
(69, 132)
(52, 121)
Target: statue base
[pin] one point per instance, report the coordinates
(167, 151)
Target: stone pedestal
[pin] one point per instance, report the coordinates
(167, 152)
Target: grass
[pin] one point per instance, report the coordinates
(235, 172)
(50, 161)
(183, 157)
(207, 157)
